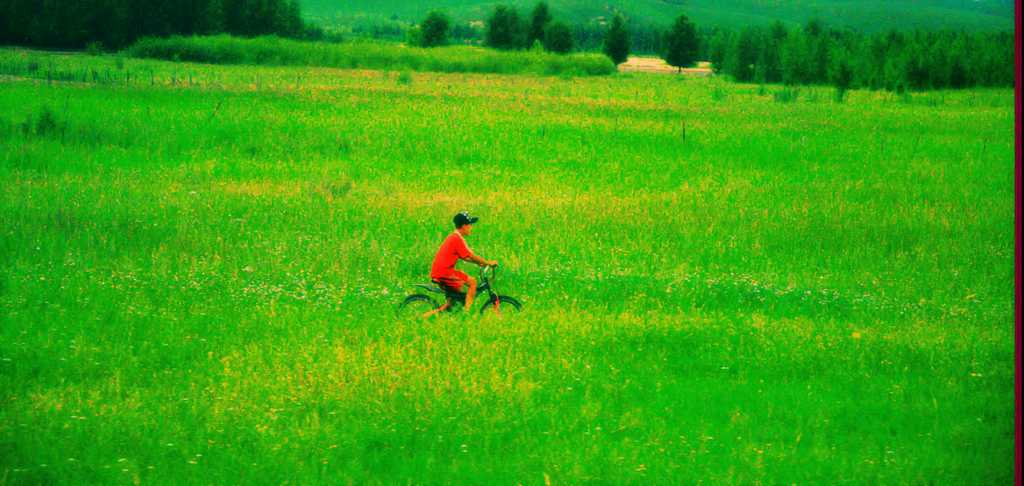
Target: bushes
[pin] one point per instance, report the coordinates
(44, 124)
(366, 55)
(786, 95)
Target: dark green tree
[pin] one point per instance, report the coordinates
(795, 55)
(539, 20)
(841, 74)
(874, 53)
(818, 47)
(718, 51)
(741, 59)
(558, 38)
(212, 19)
(681, 44)
(768, 68)
(616, 41)
(291, 19)
(434, 30)
(504, 29)
(958, 53)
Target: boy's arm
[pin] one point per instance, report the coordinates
(480, 261)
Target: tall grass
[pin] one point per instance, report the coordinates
(198, 280)
(275, 51)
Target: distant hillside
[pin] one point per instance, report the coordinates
(867, 16)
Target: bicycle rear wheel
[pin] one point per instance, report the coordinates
(416, 306)
(503, 304)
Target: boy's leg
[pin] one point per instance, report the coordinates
(453, 282)
(471, 292)
(431, 313)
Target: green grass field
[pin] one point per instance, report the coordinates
(199, 268)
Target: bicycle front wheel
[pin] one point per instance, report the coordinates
(503, 304)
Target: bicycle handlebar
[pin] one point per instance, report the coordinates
(484, 268)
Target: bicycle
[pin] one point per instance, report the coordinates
(419, 304)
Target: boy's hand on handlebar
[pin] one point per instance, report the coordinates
(492, 263)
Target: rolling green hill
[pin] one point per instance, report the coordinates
(862, 15)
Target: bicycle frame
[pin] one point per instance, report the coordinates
(486, 284)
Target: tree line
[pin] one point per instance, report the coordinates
(505, 29)
(897, 61)
(678, 46)
(812, 54)
(815, 54)
(74, 24)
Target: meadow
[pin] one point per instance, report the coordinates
(727, 283)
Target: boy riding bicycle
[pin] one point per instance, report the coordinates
(453, 249)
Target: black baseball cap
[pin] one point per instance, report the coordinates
(463, 219)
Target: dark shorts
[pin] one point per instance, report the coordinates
(453, 281)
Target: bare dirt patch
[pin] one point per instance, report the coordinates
(658, 65)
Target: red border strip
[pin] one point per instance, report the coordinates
(1017, 260)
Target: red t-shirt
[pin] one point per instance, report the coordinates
(453, 248)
